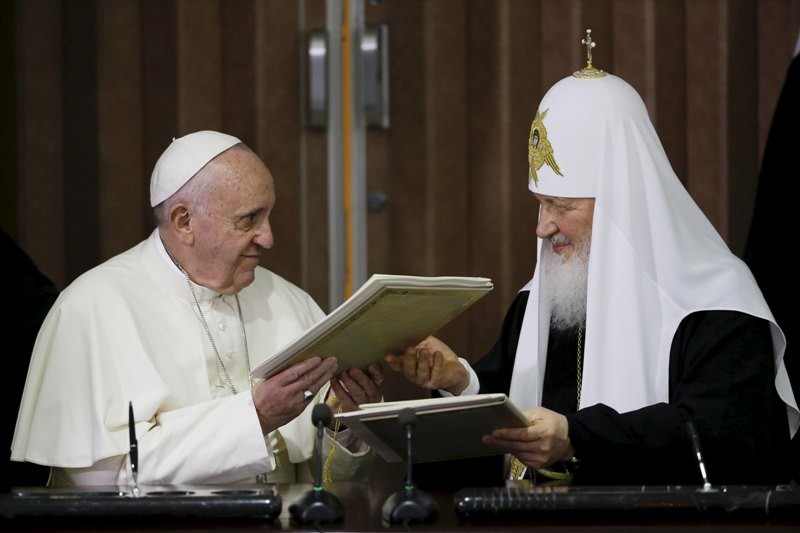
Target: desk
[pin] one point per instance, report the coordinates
(363, 503)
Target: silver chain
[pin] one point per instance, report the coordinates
(211, 338)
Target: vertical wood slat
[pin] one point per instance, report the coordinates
(524, 94)
(278, 131)
(9, 186)
(668, 81)
(741, 122)
(441, 200)
(558, 50)
(159, 89)
(199, 66)
(407, 134)
(629, 47)
(446, 138)
(315, 242)
(238, 31)
(706, 154)
(80, 135)
(378, 169)
(488, 180)
(119, 126)
(40, 147)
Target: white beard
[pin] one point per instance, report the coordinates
(564, 284)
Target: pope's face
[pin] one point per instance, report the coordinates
(233, 229)
(565, 222)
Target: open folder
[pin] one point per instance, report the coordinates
(445, 428)
(387, 314)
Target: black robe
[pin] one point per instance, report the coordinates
(31, 296)
(721, 376)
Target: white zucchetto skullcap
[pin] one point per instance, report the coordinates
(184, 158)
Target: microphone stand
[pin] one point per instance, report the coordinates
(318, 505)
(409, 504)
(698, 455)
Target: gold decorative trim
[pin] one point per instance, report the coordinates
(540, 151)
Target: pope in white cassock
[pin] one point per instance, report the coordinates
(174, 326)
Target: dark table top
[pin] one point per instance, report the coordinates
(247, 508)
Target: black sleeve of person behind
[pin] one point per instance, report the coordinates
(774, 273)
(494, 371)
(32, 295)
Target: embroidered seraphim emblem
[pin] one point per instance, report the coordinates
(540, 151)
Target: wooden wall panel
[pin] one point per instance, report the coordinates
(159, 89)
(379, 170)
(632, 30)
(408, 41)
(278, 131)
(40, 144)
(80, 135)
(119, 124)
(238, 29)
(200, 67)
(429, 165)
(706, 21)
(489, 178)
(314, 204)
(559, 22)
(102, 87)
(9, 186)
(741, 122)
(667, 79)
(523, 95)
(496, 170)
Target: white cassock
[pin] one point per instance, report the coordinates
(129, 331)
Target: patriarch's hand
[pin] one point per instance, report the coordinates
(431, 364)
(544, 442)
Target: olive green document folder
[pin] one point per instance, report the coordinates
(445, 428)
(387, 314)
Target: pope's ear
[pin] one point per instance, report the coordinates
(180, 219)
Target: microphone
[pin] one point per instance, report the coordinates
(696, 447)
(409, 504)
(134, 449)
(318, 505)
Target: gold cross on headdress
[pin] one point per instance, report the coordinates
(589, 71)
(589, 45)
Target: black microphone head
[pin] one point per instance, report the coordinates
(321, 413)
(407, 417)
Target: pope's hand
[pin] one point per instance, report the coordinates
(431, 364)
(282, 397)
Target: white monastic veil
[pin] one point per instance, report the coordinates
(655, 258)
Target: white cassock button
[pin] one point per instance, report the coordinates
(222, 326)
